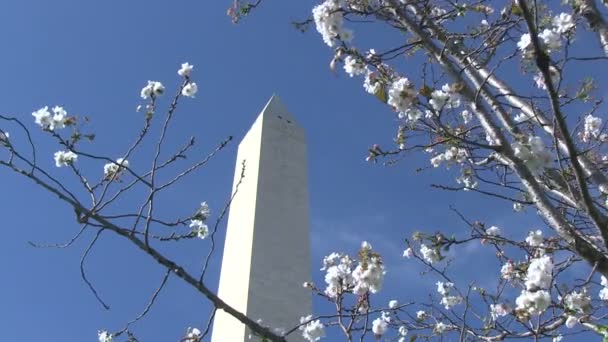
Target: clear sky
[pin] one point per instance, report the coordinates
(93, 57)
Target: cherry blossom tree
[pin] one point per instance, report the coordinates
(500, 102)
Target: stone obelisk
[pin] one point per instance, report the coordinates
(267, 250)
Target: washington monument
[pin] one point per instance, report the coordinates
(267, 250)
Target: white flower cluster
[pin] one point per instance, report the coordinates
(49, 121)
(353, 66)
(65, 158)
(440, 328)
(114, 170)
(539, 80)
(430, 255)
(380, 324)
(535, 298)
(493, 231)
(508, 271)
(402, 95)
(447, 97)
(592, 128)
(535, 238)
(550, 38)
(199, 228)
(372, 83)
(447, 301)
(153, 88)
(534, 154)
(313, 330)
(104, 336)
(193, 335)
(578, 301)
(499, 310)
(329, 22)
(368, 275)
(450, 155)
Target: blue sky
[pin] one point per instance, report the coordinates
(94, 57)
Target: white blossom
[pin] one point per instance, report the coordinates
(329, 22)
(534, 302)
(592, 128)
(550, 39)
(104, 336)
(604, 293)
(508, 271)
(49, 121)
(444, 288)
(535, 238)
(153, 88)
(525, 44)
(185, 70)
(430, 255)
(421, 315)
(403, 330)
(444, 98)
(539, 78)
(113, 170)
(65, 158)
(199, 228)
(539, 273)
(313, 330)
(190, 89)
(193, 335)
(533, 153)
(408, 253)
(401, 95)
(499, 310)
(493, 231)
(369, 278)
(517, 207)
(353, 66)
(450, 301)
(440, 328)
(563, 23)
(371, 83)
(578, 301)
(379, 326)
(393, 304)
